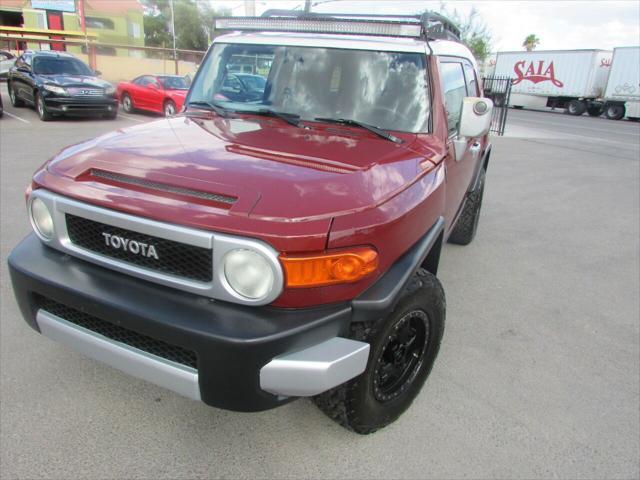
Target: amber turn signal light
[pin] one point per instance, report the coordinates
(346, 266)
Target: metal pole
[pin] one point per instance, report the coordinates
(307, 6)
(173, 32)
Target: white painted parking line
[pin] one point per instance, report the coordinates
(130, 117)
(16, 117)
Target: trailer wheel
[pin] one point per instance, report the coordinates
(595, 110)
(614, 111)
(576, 107)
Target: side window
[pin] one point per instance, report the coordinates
(144, 81)
(472, 80)
(27, 60)
(138, 81)
(454, 89)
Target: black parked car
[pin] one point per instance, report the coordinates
(57, 83)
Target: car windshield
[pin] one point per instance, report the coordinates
(60, 66)
(174, 83)
(386, 89)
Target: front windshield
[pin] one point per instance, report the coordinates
(174, 83)
(386, 89)
(60, 66)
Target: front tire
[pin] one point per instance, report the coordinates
(576, 107)
(111, 115)
(404, 346)
(13, 97)
(127, 104)
(466, 226)
(169, 108)
(41, 109)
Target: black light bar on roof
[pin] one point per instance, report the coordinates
(317, 24)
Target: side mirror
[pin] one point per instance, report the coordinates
(475, 121)
(475, 118)
(98, 73)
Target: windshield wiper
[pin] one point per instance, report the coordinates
(372, 128)
(290, 118)
(219, 109)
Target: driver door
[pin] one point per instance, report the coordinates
(463, 153)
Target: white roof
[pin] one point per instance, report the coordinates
(356, 42)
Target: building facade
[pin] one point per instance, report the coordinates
(115, 22)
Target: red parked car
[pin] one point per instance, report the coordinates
(154, 93)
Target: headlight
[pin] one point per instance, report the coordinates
(55, 89)
(110, 90)
(248, 273)
(41, 219)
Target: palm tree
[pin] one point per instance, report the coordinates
(531, 42)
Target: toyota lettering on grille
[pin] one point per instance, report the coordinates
(130, 246)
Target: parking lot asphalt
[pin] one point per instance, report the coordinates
(538, 375)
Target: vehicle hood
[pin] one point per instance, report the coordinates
(282, 173)
(71, 80)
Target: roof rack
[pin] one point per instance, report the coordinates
(429, 25)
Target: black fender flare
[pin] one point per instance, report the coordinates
(382, 297)
(482, 164)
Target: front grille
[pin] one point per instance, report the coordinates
(116, 333)
(85, 92)
(153, 253)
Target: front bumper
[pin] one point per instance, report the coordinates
(244, 358)
(78, 105)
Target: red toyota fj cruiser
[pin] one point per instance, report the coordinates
(277, 239)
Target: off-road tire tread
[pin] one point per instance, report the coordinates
(467, 224)
(335, 402)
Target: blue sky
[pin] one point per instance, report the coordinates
(559, 24)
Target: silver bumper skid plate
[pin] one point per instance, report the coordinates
(304, 373)
(315, 369)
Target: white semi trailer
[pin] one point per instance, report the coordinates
(570, 79)
(622, 94)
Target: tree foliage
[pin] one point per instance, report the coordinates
(474, 32)
(193, 23)
(531, 42)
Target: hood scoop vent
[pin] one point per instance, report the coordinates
(109, 177)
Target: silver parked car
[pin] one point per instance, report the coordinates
(7, 59)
